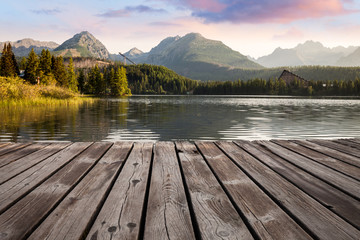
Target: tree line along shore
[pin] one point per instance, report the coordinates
(49, 76)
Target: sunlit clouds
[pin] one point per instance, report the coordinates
(253, 27)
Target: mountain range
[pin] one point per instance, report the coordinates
(310, 53)
(196, 57)
(193, 56)
(22, 47)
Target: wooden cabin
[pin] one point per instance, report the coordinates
(290, 78)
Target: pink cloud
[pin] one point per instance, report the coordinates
(206, 5)
(281, 11)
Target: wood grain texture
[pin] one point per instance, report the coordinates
(333, 163)
(349, 143)
(13, 156)
(343, 182)
(216, 216)
(120, 217)
(12, 147)
(321, 222)
(23, 183)
(18, 221)
(30, 160)
(267, 219)
(339, 147)
(330, 152)
(167, 215)
(330, 197)
(207, 190)
(355, 140)
(71, 218)
(3, 144)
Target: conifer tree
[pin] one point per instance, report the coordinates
(14, 67)
(99, 81)
(2, 60)
(8, 64)
(124, 82)
(31, 70)
(72, 81)
(23, 63)
(119, 84)
(45, 62)
(110, 74)
(59, 72)
(53, 60)
(81, 81)
(95, 80)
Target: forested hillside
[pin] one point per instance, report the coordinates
(145, 78)
(279, 87)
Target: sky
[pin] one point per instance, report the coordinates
(252, 27)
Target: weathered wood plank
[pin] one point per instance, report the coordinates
(72, 217)
(14, 168)
(167, 215)
(330, 152)
(333, 163)
(267, 219)
(341, 148)
(18, 221)
(215, 215)
(333, 199)
(323, 223)
(120, 217)
(348, 142)
(13, 156)
(23, 183)
(356, 140)
(339, 180)
(3, 144)
(12, 147)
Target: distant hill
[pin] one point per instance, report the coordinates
(83, 44)
(351, 60)
(23, 47)
(133, 53)
(196, 57)
(308, 53)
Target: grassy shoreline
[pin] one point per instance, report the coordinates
(15, 91)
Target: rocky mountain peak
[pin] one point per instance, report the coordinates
(83, 44)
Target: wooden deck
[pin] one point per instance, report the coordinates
(204, 190)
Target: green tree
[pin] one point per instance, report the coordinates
(45, 62)
(119, 83)
(8, 64)
(2, 61)
(72, 81)
(81, 81)
(31, 70)
(310, 90)
(23, 63)
(95, 81)
(59, 72)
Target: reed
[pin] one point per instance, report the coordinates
(16, 92)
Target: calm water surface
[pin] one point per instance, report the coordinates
(184, 118)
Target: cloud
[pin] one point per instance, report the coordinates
(263, 11)
(127, 11)
(47, 11)
(207, 5)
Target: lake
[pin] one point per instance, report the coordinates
(161, 118)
